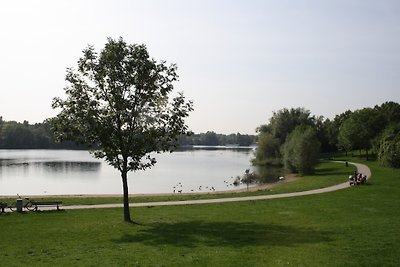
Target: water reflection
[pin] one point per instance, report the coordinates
(242, 149)
(6, 162)
(199, 169)
(53, 166)
(68, 166)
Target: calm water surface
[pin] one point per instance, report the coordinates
(56, 172)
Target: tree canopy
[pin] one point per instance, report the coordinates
(301, 150)
(118, 103)
(388, 147)
(359, 129)
(284, 121)
(276, 142)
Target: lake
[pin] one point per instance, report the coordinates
(60, 172)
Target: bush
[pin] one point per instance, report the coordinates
(267, 150)
(301, 150)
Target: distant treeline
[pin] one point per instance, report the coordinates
(15, 135)
(214, 139)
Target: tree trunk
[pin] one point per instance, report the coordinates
(124, 176)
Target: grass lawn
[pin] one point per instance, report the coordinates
(358, 226)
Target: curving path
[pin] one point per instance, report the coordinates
(361, 168)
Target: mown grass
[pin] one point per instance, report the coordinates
(358, 226)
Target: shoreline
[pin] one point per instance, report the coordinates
(288, 178)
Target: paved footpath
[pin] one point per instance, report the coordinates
(361, 168)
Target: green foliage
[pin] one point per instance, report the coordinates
(348, 131)
(332, 129)
(41, 136)
(284, 121)
(14, 135)
(17, 135)
(118, 104)
(360, 128)
(346, 137)
(363, 129)
(301, 150)
(211, 138)
(390, 112)
(250, 178)
(268, 149)
(389, 147)
(273, 136)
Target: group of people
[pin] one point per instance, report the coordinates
(357, 178)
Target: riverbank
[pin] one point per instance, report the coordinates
(254, 188)
(333, 173)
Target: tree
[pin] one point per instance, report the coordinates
(268, 149)
(321, 126)
(244, 139)
(389, 146)
(332, 130)
(210, 139)
(273, 135)
(285, 121)
(249, 178)
(118, 104)
(390, 112)
(358, 131)
(301, 149)
(17, 135)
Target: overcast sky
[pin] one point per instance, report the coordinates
(237, 60)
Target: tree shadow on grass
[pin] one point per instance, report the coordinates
(229, 234)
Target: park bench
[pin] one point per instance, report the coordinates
(3, 206)
(37, 204)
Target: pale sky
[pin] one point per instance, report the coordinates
(237, 60)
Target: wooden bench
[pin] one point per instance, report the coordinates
(3, 206)
(37, 204)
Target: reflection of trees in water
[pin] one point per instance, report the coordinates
(13, 163)
(243, 149)
(69, 166)
(5, 162)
